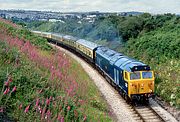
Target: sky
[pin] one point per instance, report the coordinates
(151, 6)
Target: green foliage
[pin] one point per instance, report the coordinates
(38, 41)
(24, 76)
(99, 30)
(160, 49)
(158, 44)
(130, 27)
(103, 30)
(111, 28)
(27, 35)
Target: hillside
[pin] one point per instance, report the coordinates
(160, 49)
(39, 83)
(153, 39)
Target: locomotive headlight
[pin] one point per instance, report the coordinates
(142, 84)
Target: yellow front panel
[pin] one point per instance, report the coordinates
(141, 87)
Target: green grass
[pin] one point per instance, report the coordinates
(30, 77)
(97, 106)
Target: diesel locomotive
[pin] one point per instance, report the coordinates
(132, 78)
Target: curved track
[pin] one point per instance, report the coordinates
(123, 111)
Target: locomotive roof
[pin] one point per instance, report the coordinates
(88, 44)
(121, 61)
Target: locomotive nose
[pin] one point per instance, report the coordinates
(141, 87)
(144, 87)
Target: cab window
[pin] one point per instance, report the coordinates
(135, 75)
(147, 75)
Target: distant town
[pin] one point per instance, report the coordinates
(27, 16)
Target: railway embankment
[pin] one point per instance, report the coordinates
(39, 83)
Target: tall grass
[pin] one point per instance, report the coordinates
(43, 85)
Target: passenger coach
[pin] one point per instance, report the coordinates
(134, 79)
(86, 48)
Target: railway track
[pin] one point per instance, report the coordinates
(139, 113)
(147, 114)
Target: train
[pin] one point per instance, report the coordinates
(132, 78)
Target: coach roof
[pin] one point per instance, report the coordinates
(87, 44)
(70, 37)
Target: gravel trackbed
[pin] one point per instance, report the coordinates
(121, 110)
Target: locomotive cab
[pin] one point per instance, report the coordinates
(140, 84)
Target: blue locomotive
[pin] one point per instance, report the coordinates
(132, 78)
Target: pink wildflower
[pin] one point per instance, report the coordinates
(20, 106)
(68, 108)
(50, 98)
(48, 114)
(40, 110)
(81, 101)
(37, 102)
(27, 109)
(62, 119)
(6, 83)
(6, 91)
(59, 117)
(14, 89)
(84, 119)
(1, 110)
(10, 80)
(75, 113)
(47, 101)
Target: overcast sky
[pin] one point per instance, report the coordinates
(152, 6)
